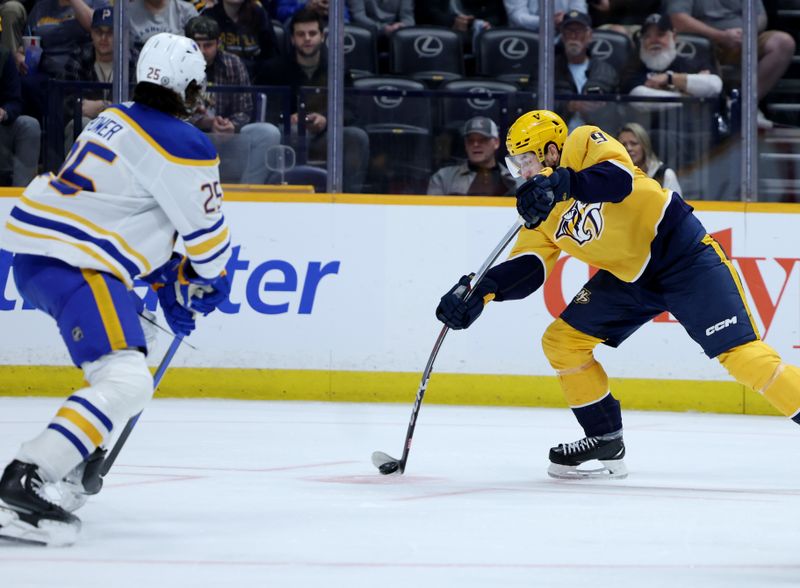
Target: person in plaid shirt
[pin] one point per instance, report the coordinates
(227, 117)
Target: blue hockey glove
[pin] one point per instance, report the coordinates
(539, 195)
(179, 318)
(458, 314)
(192, 291)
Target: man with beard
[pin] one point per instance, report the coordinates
(576, 72)
(661, 72)
(481, 174)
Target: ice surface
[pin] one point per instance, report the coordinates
(232, 493)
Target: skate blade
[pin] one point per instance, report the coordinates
(48, 532)
(610, 470)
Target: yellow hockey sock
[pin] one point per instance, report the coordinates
(758, 366)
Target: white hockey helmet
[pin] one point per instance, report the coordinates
(171, 61)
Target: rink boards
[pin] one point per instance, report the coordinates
(333, 299)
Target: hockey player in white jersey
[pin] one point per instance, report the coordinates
(137, 177)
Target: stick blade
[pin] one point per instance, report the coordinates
(386, 464)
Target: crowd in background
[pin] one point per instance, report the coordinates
(73, 40)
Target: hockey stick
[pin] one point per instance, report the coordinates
(387, 464)
(96, 465)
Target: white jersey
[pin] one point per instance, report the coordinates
(135, 179)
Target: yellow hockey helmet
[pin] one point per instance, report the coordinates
(533, 131)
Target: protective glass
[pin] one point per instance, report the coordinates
(517, 164)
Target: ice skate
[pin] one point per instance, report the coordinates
(28, 514)
(566, 459)
(81, 482)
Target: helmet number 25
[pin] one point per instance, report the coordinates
(153, 73)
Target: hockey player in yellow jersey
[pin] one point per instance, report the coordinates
(584, 196)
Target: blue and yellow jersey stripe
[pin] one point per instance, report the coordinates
(41, 222)
(205, 245)
(175, 140)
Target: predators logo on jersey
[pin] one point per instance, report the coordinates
(582, 222)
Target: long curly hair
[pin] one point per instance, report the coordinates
(166, 100)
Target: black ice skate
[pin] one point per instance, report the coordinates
(566, 459)
(27, 513)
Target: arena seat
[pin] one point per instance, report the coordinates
(612, 47)
(508, 54)
(375, 109)
(360, 50)
(426, 53)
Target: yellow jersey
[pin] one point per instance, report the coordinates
(613, 216)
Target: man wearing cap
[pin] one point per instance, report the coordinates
(97, 65)
(576, 72)
(661, 72)
(481, 174)
(227, 117)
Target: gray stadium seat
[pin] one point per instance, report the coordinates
(281, 37)
(455, 111)
(398, 110)
(430, 54)
(508, 54)
(400, 135)
(697, 50)
(613, 47)
(360, 51)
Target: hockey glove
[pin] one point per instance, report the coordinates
(457, 313)
(539, 195)
(179, 318)
(192, 291)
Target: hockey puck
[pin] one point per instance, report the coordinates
(389, 468)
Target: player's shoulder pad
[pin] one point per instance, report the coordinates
(581, 135)
(177, 140)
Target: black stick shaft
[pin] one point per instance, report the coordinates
(426, 374)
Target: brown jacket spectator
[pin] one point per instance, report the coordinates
(481, 174)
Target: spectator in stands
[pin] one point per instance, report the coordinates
(487, 14)
(19, 134)
(439, 13)
(466, 17)
(12, 23)
(97, 65)
(227, 117)
(308, 66)
(481, 174)
(285, 9)
(63, 26)
(721, 22)
(637, 143)
(576, 72)
(661, 72)
(246, 31)
(525, 13)
(148, 17)
(382, 16)
(623, 16)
